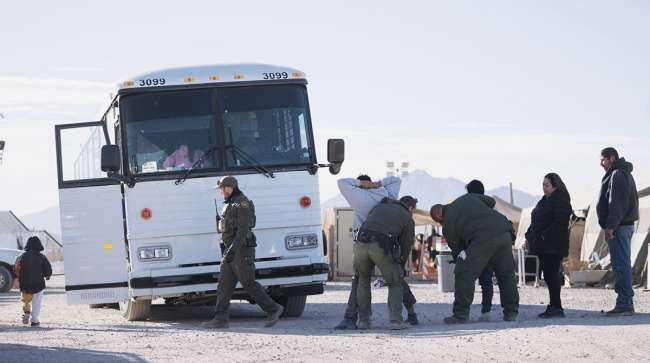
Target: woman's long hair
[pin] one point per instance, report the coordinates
(557, 183)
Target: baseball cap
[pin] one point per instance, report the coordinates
(226, 181)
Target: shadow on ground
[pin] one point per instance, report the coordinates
(28, 353)
(13, 296)
(319, 320)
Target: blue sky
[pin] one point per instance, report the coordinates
(501, 91)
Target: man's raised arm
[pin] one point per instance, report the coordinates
(392, 184)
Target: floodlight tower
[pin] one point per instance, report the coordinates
(392, 169)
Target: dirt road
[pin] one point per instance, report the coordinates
(72, 333)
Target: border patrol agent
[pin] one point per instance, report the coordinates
(384, 240)
(478, 235)
(238, 262)
(363, 194)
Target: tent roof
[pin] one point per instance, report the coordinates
(512, 212)
(422, 218)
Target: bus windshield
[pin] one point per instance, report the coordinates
(168, 131)
(260, 125)
(267, 125)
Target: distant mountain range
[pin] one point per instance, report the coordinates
(430, 190)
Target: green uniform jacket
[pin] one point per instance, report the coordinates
(236, 222)
(471, 218)
(392, 217)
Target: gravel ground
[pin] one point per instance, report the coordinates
(74, 333)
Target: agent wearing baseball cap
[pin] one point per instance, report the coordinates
(238, 263)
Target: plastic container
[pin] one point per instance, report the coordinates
(446, 278)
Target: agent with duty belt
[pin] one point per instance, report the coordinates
(384, 240)
(238, 249)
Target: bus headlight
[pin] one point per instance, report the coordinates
(156, 253)
(301, 241)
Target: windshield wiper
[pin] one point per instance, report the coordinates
(249, 159)
(203, 158)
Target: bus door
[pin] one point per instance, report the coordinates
(94, 245)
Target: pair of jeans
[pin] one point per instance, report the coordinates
(619, 252)
(487, 289)
(550, 267)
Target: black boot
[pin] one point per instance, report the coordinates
(621, 311)
(347, 324)
(412, 319)
(552, 312)
(454, 320)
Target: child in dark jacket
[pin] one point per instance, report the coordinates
(32, 268)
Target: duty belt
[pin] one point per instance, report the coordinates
(368, 236)
(388, 243)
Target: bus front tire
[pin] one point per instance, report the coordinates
(294, 306)
(135, 310)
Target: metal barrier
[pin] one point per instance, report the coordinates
(521, 267)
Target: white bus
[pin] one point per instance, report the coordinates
(138, 208)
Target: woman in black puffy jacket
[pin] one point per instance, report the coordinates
(548, 238)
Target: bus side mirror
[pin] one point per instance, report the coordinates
(335, 154)
(110, 158)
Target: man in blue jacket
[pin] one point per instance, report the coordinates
(618, 209)
(363, 194)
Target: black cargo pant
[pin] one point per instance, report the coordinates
(487, 289)
(241, 269)
(352, 310)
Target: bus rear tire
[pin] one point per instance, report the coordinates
(135, 310)
(294, 306)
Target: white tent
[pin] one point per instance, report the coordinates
(593, 234)
(512, 212)
(524, 223)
